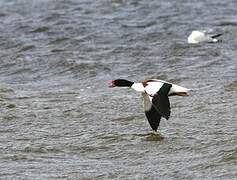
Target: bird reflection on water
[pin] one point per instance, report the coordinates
(151, 136)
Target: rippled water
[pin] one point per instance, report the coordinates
(59, 119)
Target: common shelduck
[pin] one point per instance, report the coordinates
(155, 95)
(202, 36)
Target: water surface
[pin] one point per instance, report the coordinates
(59, 119)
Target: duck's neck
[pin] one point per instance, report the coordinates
(138, 87)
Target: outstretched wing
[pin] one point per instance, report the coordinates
(162, 104)
(153, 116)
(157, 106)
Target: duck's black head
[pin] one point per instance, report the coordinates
(121, 83)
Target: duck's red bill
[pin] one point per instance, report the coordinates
(112, 84)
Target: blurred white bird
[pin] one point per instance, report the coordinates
(202, 36)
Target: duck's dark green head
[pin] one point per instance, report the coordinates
(121, 83)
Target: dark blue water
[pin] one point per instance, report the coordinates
(59, 119)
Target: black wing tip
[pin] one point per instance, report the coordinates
(154, 129)
(167, 116)
(153, 118)
(217, 35)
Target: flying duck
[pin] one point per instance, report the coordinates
(155, 95)
(202, 36)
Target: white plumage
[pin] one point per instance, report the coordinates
(202, 36)
(155, 95)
